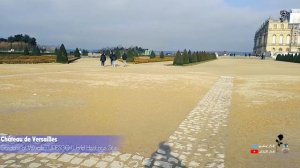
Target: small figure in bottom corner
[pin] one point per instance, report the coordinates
(279, 141)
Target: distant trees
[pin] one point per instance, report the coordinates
(118, 53)
(139, 50)
(152, 55)
(194, 57)
(85, 52)
(18, 42)
(36, 51)
(107, 52)
(56, 51)
(178, 59)
(187, 57)
(3, 40)
(62, 56)
(190, 56)
(20, 38)
(77, 53)
(131, 52)
(26, 51)
(162, 55)
(289, 58)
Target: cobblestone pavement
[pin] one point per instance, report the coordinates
(197, 142)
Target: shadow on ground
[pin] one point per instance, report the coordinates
(163, 158)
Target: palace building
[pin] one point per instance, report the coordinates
(280, 36)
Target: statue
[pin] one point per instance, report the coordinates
(284, 15)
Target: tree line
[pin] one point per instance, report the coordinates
(288, 57)
(35, 51)
(20, 38)
(119, 51)
(62, 54)
(131, 52)
(187, 57)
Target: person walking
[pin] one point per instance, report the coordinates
(114, 59)
(111, 58)
(103, 59)
(262, 56)
(124, 58)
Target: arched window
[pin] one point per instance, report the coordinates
(280, 49)
(288, 39)
(274, 39)
(281, 39)
(282, 26)
(287, 49)
(274, 49)
(275, 26)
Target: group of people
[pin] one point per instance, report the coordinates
(113, 58)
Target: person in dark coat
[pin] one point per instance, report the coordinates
(124, 58)
(113, 59)
(103, 58)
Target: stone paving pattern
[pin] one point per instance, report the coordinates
(197, 142)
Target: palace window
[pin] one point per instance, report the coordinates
(282, 26)
(288, 39)
(274, 49)
(281, 39)
(274, 39)
(275, 26)
(280, 49)
(287, 49)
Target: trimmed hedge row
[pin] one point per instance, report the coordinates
(72, 59)
(20, 53)
(288, 58)
(11, 53)
(32, 59)
(139, 60)
(189, 57)
(26, 59)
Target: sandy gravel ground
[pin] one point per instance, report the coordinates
(145, 103)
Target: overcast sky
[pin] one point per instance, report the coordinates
(155, 24)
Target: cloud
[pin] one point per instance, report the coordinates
(155, 24)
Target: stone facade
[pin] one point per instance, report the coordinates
(276, 36)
